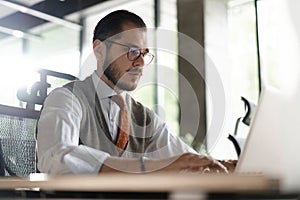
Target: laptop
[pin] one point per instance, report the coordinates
(262, 151)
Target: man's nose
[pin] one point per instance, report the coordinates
(139, 62)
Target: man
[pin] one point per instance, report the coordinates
(78, 131)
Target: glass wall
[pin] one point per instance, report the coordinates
(279, 44)
(243, 49)
(56, 48)
(11, 70)
(230, 43)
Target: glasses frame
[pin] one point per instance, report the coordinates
(133, 49)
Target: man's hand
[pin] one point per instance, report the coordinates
(229, 164)
(189, 162)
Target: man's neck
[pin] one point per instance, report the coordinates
(104, 78)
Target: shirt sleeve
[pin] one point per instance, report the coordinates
(165, 143)
(58, 148)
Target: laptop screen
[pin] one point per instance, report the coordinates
(262, 152)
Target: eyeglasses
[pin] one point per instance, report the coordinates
(134, 53)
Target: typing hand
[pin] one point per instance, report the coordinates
(229, 164)
(189, 162)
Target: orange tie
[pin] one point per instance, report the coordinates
(124, 123)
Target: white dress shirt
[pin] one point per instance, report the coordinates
(58, 134)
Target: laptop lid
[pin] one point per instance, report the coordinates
(262, 150)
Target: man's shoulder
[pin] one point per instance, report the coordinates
(59, 96)
(78, 83)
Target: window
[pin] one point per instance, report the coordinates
(278, 44)
(230, 43)
(11, 70)
(56, 48)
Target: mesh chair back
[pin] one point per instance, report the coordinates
(17, 141)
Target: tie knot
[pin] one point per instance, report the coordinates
(119, 100)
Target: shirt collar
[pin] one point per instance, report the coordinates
(102, 89)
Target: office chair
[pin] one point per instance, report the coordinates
(40, 89)
(18, 126)
(250, 110)
(17, 141)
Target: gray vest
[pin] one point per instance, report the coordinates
(94, 131)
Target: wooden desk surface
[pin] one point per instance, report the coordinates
(147, 183)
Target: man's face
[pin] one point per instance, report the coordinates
(122, 72)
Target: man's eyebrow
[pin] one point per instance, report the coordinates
(135, 46)
(146, 49)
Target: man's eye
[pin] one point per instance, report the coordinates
(134, 51)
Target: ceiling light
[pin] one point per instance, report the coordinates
(18, 33)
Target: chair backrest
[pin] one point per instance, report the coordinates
(237, 142)
(17, 141)
(36, 93)
(18, 125)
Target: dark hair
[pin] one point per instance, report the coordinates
(112, 23)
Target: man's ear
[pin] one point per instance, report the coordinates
(99, 50)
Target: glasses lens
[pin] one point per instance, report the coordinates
(133, 53)
(148, 58)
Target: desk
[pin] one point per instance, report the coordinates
(152, 186)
